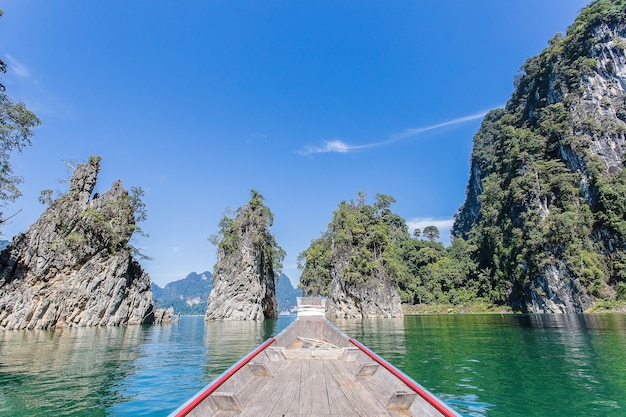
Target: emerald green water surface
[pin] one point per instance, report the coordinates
(482, 365)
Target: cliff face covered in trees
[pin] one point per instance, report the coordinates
(248, 261)
(545, 211)
(74, 267)
(355, 263)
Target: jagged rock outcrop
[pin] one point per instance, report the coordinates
(244, 276)
(73, 266)
(378, 298)
(351, 263)
(544, 202)
(164, 316)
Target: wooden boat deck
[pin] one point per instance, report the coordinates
(294, 376)
(310, 387)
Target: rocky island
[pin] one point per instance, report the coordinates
(74, 267)
(248, 261)
(350, 263)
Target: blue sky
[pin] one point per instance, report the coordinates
(307, 102)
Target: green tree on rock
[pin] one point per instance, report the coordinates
(431, 233)
(249, 261)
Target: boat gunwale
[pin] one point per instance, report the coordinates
(430, 398)
(205, 392)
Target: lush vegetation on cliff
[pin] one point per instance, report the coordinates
(362, 234)
(251, 221)
(376, 241)
(546, 200)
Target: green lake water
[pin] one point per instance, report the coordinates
(482, 365)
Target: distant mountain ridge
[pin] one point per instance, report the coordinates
(286, 294)
(189, 296)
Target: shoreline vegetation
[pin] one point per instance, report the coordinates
(602, 307)
(485, 308)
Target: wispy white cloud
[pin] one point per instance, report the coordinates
(416, 131)
(335, 146)
(444, 226)
(338, 146)
(16, 67)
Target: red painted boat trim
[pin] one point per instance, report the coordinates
(208, 390)
(421, 391)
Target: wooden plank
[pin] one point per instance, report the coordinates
(275, 354)
(222, 413)
(313, 395)
(378, 390)
(290, 397)
(313, 415)
(205, 408)
(395, 394)
(259, 369)
(401, 400)
(294, 406)
(357, 394)
(367, 369)
(306, 394)
(401, 413)
(350, 354)
(238, 381)
(263, 401)
(249, 391)
(226, 401)
(339, 404)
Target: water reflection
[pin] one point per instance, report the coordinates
(119, 371)
(384, 336)
(576, 348)
(554, 364)
(64, 371)
(599, 322)
(483, 365)
(226, 342)
(509, 365)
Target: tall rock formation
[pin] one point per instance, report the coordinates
(73, 266)
(354, 262)
(545, 199)
(248, 259)
(376, 298)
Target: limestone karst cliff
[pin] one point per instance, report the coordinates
(354, 262)
(545, 199)
(248, 261)
(73, 266)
